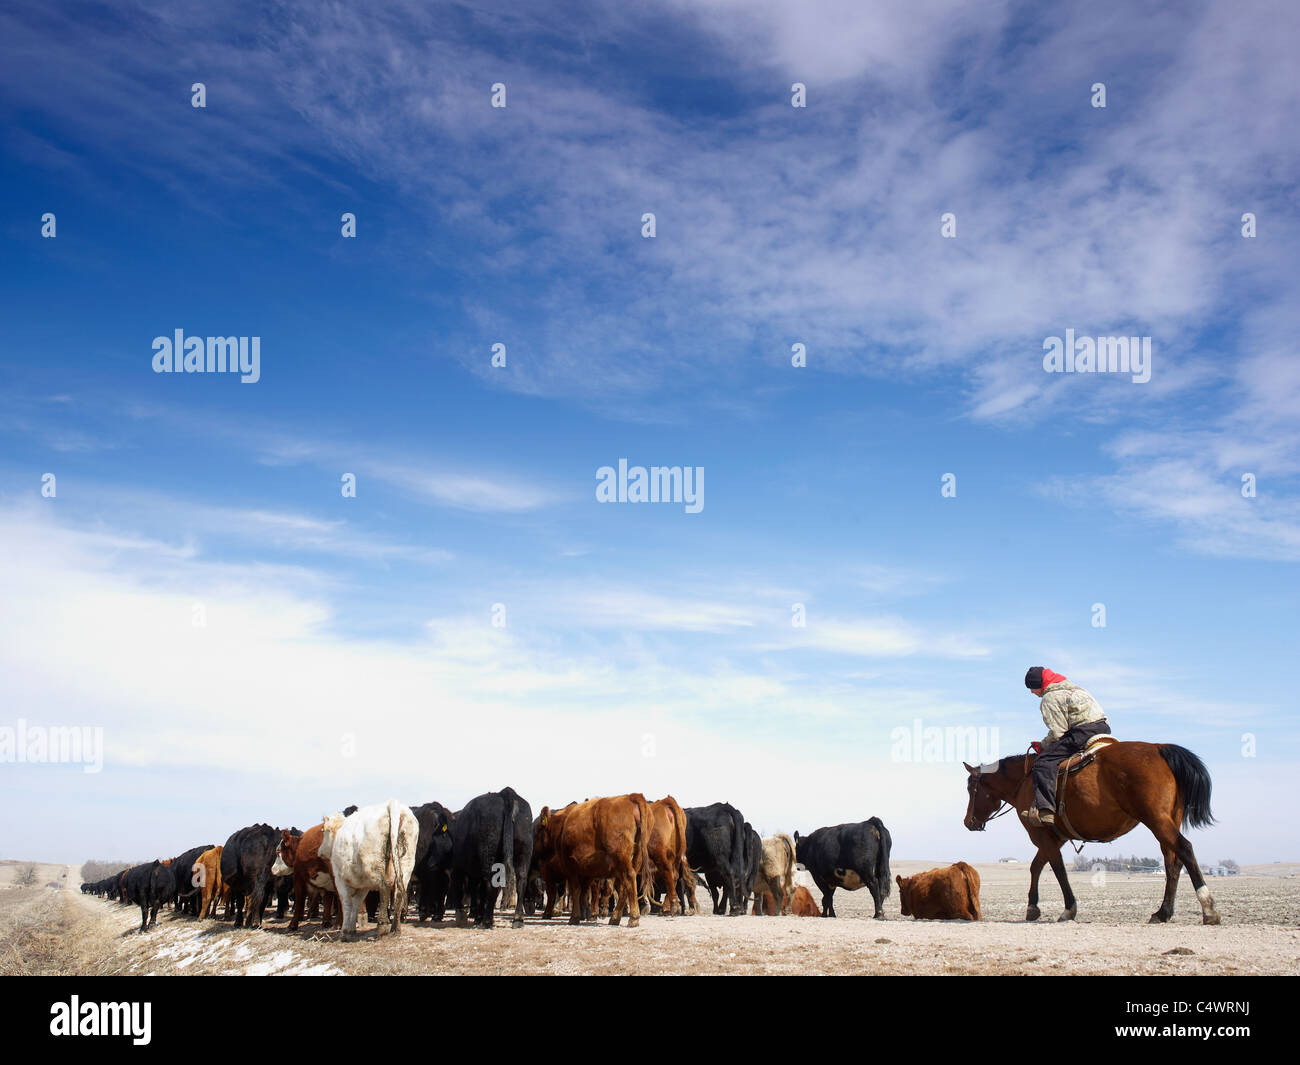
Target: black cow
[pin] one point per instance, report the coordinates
(246, 861)
(753, 856)
(186, 899)
(848, 856)
(433, 851)
(149, 886)
(715, 847)
(492, 848)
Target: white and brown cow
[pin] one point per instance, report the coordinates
(372, 849)
(776, 872)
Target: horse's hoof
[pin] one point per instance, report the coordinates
(1210, 918)
(632, 922)
(1068, 915)
(1033, 913)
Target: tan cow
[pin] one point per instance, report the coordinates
(776, 870)
(206, 873)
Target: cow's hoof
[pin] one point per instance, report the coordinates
(462, 921)
(632, 922)
(1033, 913)
(880, 915)
(347, 937)
(1210, 918)
(516, 922)
(1068, 915)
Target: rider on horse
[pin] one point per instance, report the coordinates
(1072, 717)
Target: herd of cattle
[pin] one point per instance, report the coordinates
(602, 857)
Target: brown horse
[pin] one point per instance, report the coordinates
(1158, 785)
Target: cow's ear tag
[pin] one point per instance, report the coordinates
(544, 822)
(444, 828)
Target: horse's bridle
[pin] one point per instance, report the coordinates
(1005, 805)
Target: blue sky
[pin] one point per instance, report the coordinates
(349, 652)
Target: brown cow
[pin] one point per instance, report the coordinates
(592, 841)
(206, 872)
(312, 875)
(941, 894)
(667, 853)
(802, 903)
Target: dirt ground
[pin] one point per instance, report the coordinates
(43, 930)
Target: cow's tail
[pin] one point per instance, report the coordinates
(972, 888)
(673, 877)
(1193, 781)
(641, 842)
(883, 878)
(392, 868)
(792, 861)
(509, 801)
(739, 842)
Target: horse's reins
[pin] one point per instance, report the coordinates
(1005, 805)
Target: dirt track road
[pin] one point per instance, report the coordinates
(67, 932)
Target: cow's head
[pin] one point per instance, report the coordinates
(330, 824)
(544, 834)
(800, 849)
(904, 894)
(286, 854)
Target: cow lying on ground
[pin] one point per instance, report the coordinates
(589, 842)
(715, 847)
(371, 850)
(950, 894)
(299, 858)
(246, 860)
(492, 848)
(776, 871)
(802, 903)
(850, 856)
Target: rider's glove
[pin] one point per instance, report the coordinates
(1038, 747)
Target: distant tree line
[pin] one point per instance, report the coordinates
(1117, 864)
(97, 869)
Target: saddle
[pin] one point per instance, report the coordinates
(1073, 764)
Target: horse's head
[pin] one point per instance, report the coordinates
(984, 796)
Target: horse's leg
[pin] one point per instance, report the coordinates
(1071, 904)
(1035, 867)
(1174, 844)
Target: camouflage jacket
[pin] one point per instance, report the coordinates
(1065, 706)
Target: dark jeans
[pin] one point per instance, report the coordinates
(1053, 754)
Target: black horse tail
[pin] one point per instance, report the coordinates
(883, 878)
(1193, 781)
